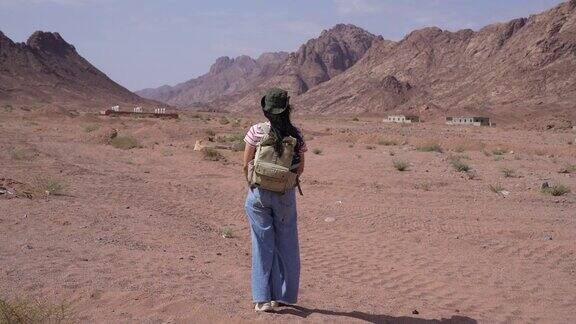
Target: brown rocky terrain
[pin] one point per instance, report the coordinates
(48, 70)
(515, 70)
(241, 80)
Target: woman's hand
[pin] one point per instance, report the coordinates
(301, 166)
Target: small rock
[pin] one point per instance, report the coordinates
(545, 185)
(415, 312)
(547, 238)
(339, 202)
(218, 253)
(329, 219)
(505, 193)
(29, 247)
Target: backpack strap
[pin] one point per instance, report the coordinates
(264, 127)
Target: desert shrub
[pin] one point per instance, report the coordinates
(498, 158)
(350, 145)
(460, 149)
(556, 190)
(460, 166)
(496, 188)
(211, 154)
(317, 151)
(29, 312)
(44, 185)
(227, 233)
(238, 146)
(509, 173)
(498, 151)
(20, 154)
(90, 128)
(125, 142)
(401, 165)
(210, 133)
(387, 142)
(430, 147)
(8, 108)
(569, 169)
(223, 120)
(167, 152)
(472, 174)
(425, 186)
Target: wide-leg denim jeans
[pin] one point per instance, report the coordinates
(275, 252)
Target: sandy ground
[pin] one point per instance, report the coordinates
(135, 235)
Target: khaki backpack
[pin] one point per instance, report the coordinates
(269, 171)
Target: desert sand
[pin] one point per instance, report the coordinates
(136, 236)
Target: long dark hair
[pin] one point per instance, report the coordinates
(281, 126)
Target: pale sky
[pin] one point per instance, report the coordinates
(145, 43)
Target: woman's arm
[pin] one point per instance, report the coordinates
(249, 153)
(301, 166)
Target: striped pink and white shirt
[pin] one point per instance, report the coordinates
(255, 134)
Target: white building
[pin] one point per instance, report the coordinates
(402, 119)
(472, 121)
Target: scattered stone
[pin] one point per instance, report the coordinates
(505, 193)
(545, 185)
(547, 238)
(415, 312)
(329, 219)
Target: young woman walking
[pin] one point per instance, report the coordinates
(272, 213)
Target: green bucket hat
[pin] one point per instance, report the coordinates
(275, 101)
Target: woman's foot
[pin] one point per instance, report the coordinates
(263, 307)
(274, 304)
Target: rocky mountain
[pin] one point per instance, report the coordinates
(46, 69)
(226, 76)
(525, 67)
(241, 79)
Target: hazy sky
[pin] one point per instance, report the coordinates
(145, 43)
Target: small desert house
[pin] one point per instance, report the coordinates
(402, 119)
(471, 121)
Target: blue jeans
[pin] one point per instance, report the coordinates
(275, 253)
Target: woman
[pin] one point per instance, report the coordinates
(272, 215)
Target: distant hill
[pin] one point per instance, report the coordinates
(46, 70)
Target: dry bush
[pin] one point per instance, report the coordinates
(425, 186)
(20, 154)
(460, 166)
(497, 188)
(124, 142)
(509, 173)
(29, 312)
(429, 147)
(387, 142)
(211, 154)
(227, 233)
(90, 128)
(556, 190)
(498, 151)
(45, 186)
(238, 146)
(223, 120)
(401, 165)
(210, 133)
